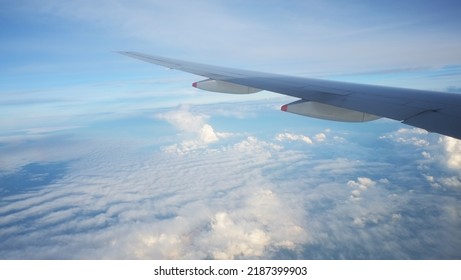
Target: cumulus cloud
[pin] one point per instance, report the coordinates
(442, 167)
(360, 185)
(198, 133)
(453, 181)
(259, 226)
(321, 137)
(412, 136)
(252, 144)
(440, 162)
(239, 242)
(426, 155)
(293, 137)
(183, 119)
(452, 149)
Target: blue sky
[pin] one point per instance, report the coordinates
(62, 53)
(103, 156)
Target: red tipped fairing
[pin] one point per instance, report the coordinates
(332, 100)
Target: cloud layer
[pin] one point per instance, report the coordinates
(242, 197)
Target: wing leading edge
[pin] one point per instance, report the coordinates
(434, 111)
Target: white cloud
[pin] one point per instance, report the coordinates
(321, 137)
(426, 155)
(442, 165)
(251, 231)
(413, 130)
(253, 144)
(360, 185)
(207, 134)
(396, 216)
(293, 137)
(452, 149)
(199, 133)
(440, 162)
(183, 119)
(453, 181)
(412, 136)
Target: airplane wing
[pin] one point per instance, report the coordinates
(433, 111)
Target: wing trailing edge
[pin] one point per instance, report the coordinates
(433, 111)
(327, 112)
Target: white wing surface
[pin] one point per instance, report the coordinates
(433, 111)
